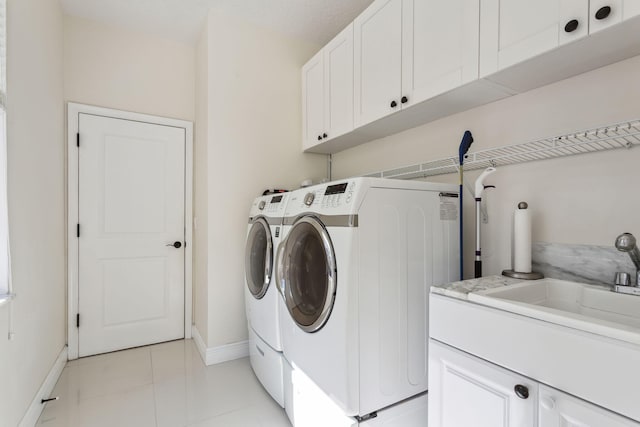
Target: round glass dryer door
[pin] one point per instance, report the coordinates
(258, 260)
(307, 273)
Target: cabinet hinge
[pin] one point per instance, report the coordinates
(78, 320)
(366, 417)
(78, 230)
(78, 139)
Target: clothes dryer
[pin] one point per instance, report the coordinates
(354, 269)
(261, 295)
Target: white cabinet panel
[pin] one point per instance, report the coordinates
(604, 13)
(327, 91)
(558, 409)
(631, 8)
(439, 47)
(467, 391)
(515, 30)
(378, 61)
(313, 100)
(338, 73)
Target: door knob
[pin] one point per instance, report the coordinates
(394, 104)
(176, 245)
(404, 100)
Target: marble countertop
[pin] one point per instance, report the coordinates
(462, 288)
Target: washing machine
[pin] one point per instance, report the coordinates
(261, 294)
(354, 270)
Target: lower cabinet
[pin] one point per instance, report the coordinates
(558, 409)
(465, 390)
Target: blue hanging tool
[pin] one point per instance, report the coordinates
(467, 140)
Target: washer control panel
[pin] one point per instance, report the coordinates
(275, 203)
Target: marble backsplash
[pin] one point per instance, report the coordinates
(580, 263)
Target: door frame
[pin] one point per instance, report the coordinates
(73, 111)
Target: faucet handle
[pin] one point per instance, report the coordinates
(622, 279)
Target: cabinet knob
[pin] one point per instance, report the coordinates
(394, 104)
(571, 26)
(404, 100)
(521, 391)
(603, 12)
(324, 135)
(319, 137)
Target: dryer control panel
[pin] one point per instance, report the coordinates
(338, 194)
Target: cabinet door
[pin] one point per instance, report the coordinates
(338, 72)
(439, 46)
(467, 391)
(313, 101)
(515, 30)
(558, 409)
(377, 62)
(631, 9)
(605, 13)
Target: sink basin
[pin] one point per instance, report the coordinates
(590, 308)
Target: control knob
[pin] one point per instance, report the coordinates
(308, 198)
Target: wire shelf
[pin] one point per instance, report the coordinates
(622, 135)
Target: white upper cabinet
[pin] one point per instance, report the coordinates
(605, 13)
(512, 31)
(327, 91)
(338, 74)
(558, 409)
(467, 391)
(378, 61)
(403, 63)
(313, 100)
(515, 30)
(408, 51)
(439, 47)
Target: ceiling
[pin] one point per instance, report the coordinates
(315, 21)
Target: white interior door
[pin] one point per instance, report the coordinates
(131, 210)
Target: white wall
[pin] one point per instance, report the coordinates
(587, 199)
(114, 67)
(254, 143)
(36, 204)
(200, 188)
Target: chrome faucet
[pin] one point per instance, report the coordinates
(626, 242)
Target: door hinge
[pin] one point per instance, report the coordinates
(78, 230)
(78, 139)
(78, 320)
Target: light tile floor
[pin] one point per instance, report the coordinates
(164, 385)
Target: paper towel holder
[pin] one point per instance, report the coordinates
(516, 274)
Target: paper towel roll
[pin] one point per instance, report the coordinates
(522, 239)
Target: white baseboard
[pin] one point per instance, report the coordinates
(35, 409)
(223, 353)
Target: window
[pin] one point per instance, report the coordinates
(5, 265)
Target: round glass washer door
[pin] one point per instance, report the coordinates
(307, 273)
(258, 258)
